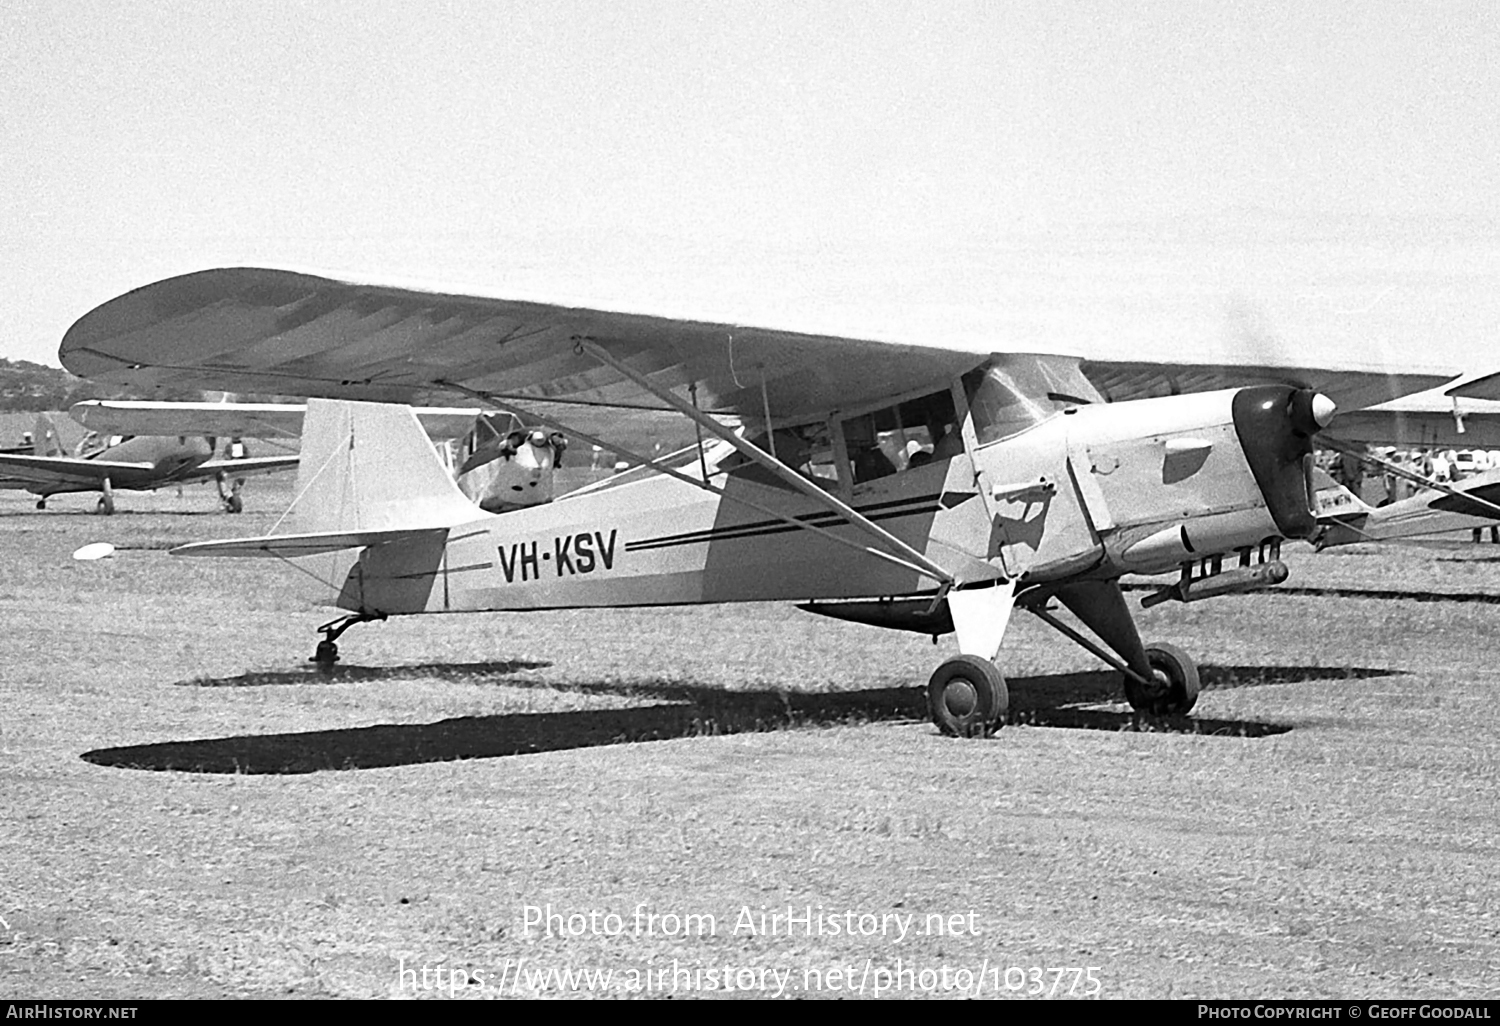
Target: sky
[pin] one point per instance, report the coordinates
(1257, 179)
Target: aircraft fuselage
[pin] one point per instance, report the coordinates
(1133, 487)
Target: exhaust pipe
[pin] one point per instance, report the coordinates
(1230, 582)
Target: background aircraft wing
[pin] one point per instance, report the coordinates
(249, 466)
(218, 420)
(285, 332)
(235, 420)
(1424, 422)
(18, 470)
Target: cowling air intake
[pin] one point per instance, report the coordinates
(1276, 424)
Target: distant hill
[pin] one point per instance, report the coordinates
(32, 387)
(26, 386)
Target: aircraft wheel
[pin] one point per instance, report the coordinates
(1176, 688)
(234, 504)
(967, 697)
(41, 504)
(326, 654)
(106, 505)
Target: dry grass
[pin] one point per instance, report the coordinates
(188, 811)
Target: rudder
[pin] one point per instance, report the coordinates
(371, 467)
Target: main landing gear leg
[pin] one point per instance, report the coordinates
(1160, 679)
(327, 652)
(230, 500)
(967, 696)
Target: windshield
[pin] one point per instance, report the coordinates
(1017, 391)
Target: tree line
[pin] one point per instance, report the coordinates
(27, 387)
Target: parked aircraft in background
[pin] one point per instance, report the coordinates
(1472, 504)
(499, 463)
(140, 463)
(1024, 488)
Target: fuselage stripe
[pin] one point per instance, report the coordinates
(765, 528)
(822, 518)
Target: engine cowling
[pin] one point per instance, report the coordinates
(1275, 425)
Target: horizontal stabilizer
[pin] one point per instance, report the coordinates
(290, 546)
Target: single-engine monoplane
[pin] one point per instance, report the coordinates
(931, 488)
(107, 463)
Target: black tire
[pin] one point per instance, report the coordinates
(105, 506)
(967, 697)
(1176, 690)
(234, 504)
(325, 655)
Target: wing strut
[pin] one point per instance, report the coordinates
(925, 567)
(772, 464)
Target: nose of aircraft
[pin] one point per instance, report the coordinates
(1276, 425)
(1310, 411)
(1323, 409)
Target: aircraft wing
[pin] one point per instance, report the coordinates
(249, 466)
(1351, 387)
(264, 330)
(18, 470)
(1426, 422)
(235, 420)
(1486, 387)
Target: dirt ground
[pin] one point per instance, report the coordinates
(726, 801)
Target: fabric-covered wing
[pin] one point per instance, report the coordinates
(1487, 387)
(262, 330)
(250, 329)
(1352, 388)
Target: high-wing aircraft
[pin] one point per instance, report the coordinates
(132, 463)
(500, 464)
(931, 488)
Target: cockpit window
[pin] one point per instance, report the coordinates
(897, 438)
(807, 449)
(1018, 391)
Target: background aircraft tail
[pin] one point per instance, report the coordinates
(1428, 512)
(1342, 515)
(371, 467)
(45, 438)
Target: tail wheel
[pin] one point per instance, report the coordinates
(234, 504)
(1176, 689)
(967, 697)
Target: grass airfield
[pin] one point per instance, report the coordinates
(187, 809)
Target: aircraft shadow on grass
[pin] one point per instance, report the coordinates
(463, 673)
(1087, 701)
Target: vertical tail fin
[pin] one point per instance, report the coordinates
(45, 439)
(1332, 500)
(371, 467)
